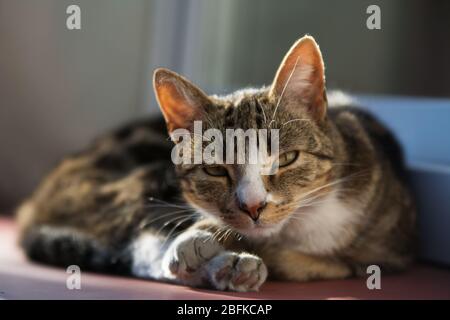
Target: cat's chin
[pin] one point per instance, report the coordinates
(256, 231)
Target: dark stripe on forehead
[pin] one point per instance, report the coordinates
(248, 114)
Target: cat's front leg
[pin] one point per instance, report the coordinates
(234, 271)
(187, 255)
(196, 259)
(286, 264)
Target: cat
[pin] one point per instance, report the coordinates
(340, 200)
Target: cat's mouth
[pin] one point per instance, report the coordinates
(250, 228)
(242, 223)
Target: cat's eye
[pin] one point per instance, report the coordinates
(287, 158)
(216, 171)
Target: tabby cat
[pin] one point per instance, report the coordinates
(338, 203)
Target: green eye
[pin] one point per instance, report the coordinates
(287, 158)
(216, 171)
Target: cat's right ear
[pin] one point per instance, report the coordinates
(300, 79)
(181, 102)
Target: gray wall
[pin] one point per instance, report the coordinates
(59, 88)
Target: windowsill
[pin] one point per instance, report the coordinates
(21, 279)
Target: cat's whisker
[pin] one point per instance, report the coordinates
(212, 234)
(264, 114)
(345, 164)
(216, 233)
(208, 229)
(187, 216)
(296, 218)
(333, 183)
(310, 200)
(208, 119)
(168, 205)
(306, 201)
(162, 202)
(162, 216)
(219, 233)
(225, 236)
(294, 120)
(210, 237)
(311, 203)
(231, 234)
(148, 206)
(282, 92)
(174, 228)
(313, 199)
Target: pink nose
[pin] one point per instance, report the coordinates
(253, 210)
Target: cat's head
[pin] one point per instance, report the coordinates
(295, 103)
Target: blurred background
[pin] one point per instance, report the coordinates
(59, 88)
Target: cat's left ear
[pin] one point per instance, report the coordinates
(300, 79)
(181, 102)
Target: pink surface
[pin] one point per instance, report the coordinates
(21, 279)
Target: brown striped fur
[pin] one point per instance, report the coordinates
(95, 203)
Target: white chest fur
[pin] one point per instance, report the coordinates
(323, 229)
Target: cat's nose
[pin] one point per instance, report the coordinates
(253, 210)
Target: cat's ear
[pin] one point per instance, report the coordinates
(181, 102)
(300, 79)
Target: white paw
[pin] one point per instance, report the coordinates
(186, 256)
(236, 272)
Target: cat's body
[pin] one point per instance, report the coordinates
(340, 205)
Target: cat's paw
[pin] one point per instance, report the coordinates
(186, 256)
(241, 272)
